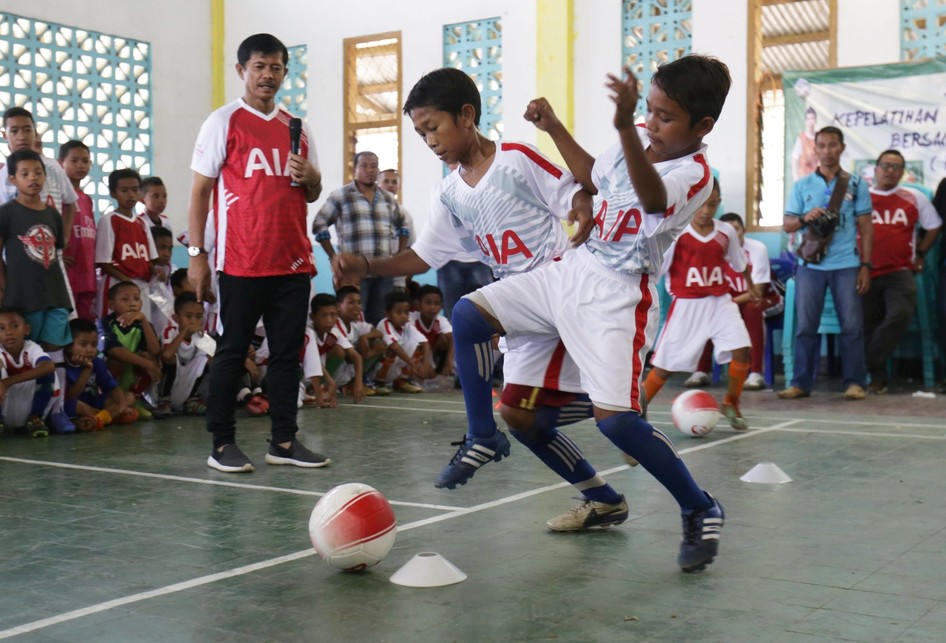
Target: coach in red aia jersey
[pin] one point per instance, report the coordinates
(263, 256)
(891, 301)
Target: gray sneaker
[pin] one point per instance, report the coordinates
(297, 455)
(590, 514)
(229, 460)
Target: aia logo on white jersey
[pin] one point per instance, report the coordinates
(626, 222)
(39, 242)
(887, 217)
(704, 277)
(133, 251)
(509, 245)
(258, 161)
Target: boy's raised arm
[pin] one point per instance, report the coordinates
(539, 112)
(644, 177)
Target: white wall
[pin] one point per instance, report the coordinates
(179, 34)
(420, 23)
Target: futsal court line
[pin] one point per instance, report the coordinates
(305, 553)
(915, 425)
(866, 434)
(219, 483)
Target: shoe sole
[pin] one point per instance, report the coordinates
(697, 567)
(213, 464)
(610, 522)
(275, 459)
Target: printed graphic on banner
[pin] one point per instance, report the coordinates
(880, 107)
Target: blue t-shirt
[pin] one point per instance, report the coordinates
(100, 380)
(812, 191)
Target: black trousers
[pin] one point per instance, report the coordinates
(283, 303)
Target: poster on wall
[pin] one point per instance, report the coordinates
(900, 106)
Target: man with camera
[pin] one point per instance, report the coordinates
(829, 209)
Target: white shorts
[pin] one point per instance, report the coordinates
(185, 379)
(397, 368)
(18, 402)
(690, 324)
(605, 318)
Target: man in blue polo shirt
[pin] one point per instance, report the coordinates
(845, 268)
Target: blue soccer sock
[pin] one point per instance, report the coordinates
(655, 452)
(42, 395)
(472, 339)
(563, 456)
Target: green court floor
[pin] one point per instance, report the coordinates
(126, 535)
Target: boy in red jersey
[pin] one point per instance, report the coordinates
(79, 254)
(260, 187)
(124, 248)
(703, 308)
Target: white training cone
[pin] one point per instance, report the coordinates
(766, 473)
(427, 569)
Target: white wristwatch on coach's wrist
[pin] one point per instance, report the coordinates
(195, 251)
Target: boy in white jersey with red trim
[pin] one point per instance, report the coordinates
(154, 200)
(890, 303)
(408, 356)
(27, 377)
(184, 355)
(365, 338)
(601, 298)
(436, 328)
(504, 204)
(334, 347)
(124, 248)
(702, 308)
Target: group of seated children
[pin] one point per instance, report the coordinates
(344, 354)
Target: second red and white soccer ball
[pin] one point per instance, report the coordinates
(694, 413)
(352, 527)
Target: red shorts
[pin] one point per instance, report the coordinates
(519, 396)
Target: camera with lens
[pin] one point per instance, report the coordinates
(825, 225)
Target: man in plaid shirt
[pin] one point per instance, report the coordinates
(366, 218)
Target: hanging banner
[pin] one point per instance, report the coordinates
(900, 106)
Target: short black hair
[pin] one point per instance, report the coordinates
(14, 310)
(830, 129)
(264, 44)
(346, 291)
(118, 175)
(446, 90)
(732, 216)
(394, 298)
(178, 277)
(77, 326)
(15, 112)
(184, 298)
(68, 146)
(358, 155)
(429, 289)
(151, 182)
(115, 289)
(698, 83)
(716, 186)
(390, 169)
(24, 155)
(162, 232)
(885, 152)
(323, 300)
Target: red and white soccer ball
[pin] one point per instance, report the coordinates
(352, 527)
(694, 413)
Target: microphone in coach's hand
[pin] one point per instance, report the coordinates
(295, 134)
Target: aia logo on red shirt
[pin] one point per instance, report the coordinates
(40, 244)
(258, 161)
